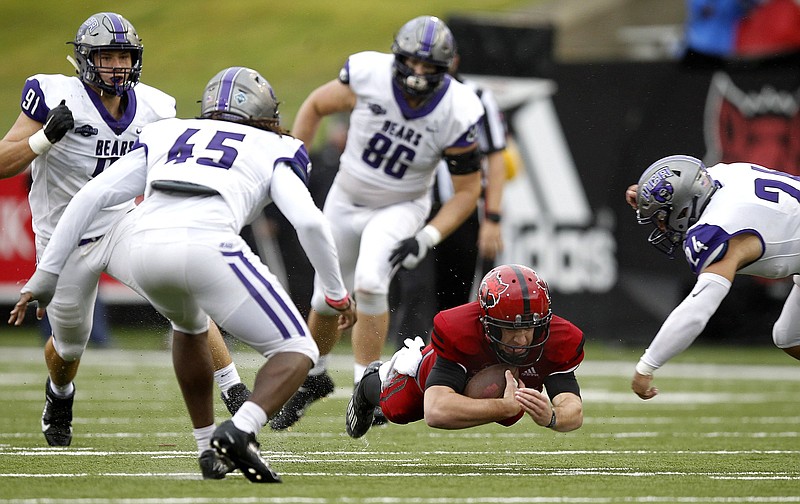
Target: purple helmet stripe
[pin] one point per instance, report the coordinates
(426, 44)
(118, 28)
(225, 91)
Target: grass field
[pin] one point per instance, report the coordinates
(297, 45)
(724, 429)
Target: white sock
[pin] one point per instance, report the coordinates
(321, 366)
(358, 372)
(250, 417)
(227, 377)
(62, 391)
(203, 437)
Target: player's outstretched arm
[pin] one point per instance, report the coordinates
(41, 287)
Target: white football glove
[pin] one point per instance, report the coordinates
(404, 361)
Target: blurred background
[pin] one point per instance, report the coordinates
(592, 91)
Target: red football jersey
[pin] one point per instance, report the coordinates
(458, 336)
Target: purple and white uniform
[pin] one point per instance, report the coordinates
(185, 250)
(755, 200)
(380, 194)
(751, 200)
(96, 141)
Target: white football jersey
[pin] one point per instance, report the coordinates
(751, 199)
(235, 160)
(96, 141)
(392, 150)
(248, 167)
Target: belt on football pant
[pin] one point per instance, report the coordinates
(87, 241)
(181, 187)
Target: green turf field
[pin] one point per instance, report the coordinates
(724, 429)
(296, 45)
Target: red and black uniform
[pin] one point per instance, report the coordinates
(459, 349)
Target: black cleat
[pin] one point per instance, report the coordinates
(241, 448)
(213, 466)
(360, 413)
(379, 418)
(314, 387)
(235, 397)
(57, 417)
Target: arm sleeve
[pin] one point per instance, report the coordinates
(557, 383)
(447, 373)
(686, 321)
(121, 182)
(292, 198)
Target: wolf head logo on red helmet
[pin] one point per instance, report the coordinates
(492, 288)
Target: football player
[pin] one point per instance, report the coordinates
(406, 114)
(203, 180)
(511, 323)
(70, 130)
(445, 278)
(728, 220)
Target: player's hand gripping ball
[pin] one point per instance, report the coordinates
(489, 382)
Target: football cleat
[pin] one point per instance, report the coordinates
(214, 466)
(314, 387)
(360, 413)
(242, 449)
(379, 418)
(235, 397)
(57, 417)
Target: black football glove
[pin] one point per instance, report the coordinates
(411, 251)
(59, 121)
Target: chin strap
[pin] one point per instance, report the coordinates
(74, 63)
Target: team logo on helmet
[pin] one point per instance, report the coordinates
(491, 290)
(91, 23)
(663, 192)
(658, 187)
(240, 97)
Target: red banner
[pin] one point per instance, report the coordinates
(18, 249)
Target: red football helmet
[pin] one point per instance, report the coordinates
(513, 296)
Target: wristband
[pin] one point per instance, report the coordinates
(339, 305)
(493, 217)
(552, 424)
(644, 368)
(433, 234)
(39, 143)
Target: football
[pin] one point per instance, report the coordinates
(489, 382)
